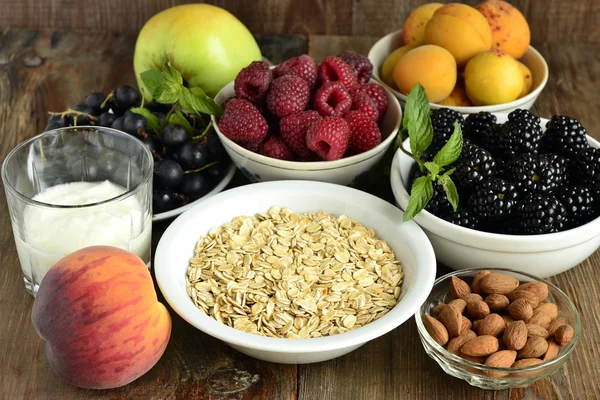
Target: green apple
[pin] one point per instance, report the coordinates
(206, 44)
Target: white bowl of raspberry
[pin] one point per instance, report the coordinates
(499, 243)
(265, 126)
(532, 59)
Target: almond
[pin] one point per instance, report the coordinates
(452, 320)
(472, 297)
(476, 284)
(535, 346)
(481, 346)
(554, 325)
(537, 330)
(492, 325)
(542, 319)
(465, 325)
(524, 294)
(515, 335)
(478, 360)
(478, 309)
(539, 288)
(436, 329)
(458, 287)
(476, 324)
(552, 351)
(455, 344)
(520, 309)
(500, 359)
(497, 302)
(507, 319)
(460, 305)
(437, 310)
(548, 308)
(498, 283)
(526, 362)
(564, 334)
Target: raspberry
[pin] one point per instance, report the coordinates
(252, 83)
(293, 131)
(474, 166)
(302, 66)
(329, 138)
(378, 95)
(360, 64)
(364, 132)
(251, 146)
(476, 125)
(242, 121)
(540, 214)
(334, 69)
(565, 136)
(332, 99)
(361, 101)
(288, 95)
(274, 147)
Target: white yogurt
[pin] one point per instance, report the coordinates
(51, 233)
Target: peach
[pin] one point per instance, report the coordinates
(510, 30)
(431, 66)
(413, 31)
(493, 77)
(98, 312)
(527, 79)
(390, 62)
(460, 29)
(458, 97)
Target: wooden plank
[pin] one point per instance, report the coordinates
(194, 365)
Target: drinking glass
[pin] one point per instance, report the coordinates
(76, 187)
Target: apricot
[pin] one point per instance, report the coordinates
(527, 79)
(390, 62)
(460, 29)
(413, 31)
(493, 77)
(458, 97)
(510, 30)
(432, 66)
(98, 312)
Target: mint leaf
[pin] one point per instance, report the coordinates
(171, 74)
(194, 100)
(417, 120)
(449, 172)
(451, 150)
(450, 189)
(177, 118)
(420, 194)
(153, 121)
(152, 79)
(433, 168)
(167, 93)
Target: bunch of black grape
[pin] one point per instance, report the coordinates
(186, 165)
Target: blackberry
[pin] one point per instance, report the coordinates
(539, 213)
(521, 134)
(578, 202)
(542, 174)
(474, 166)
(588, 163)
(494, 199)
(476, 126)
(441, 208)
(522, 114)
(565, 136)
(462, 217)
(442, 121)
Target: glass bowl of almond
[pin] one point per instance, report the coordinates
(498, 328)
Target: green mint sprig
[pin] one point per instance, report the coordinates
(416, 123)
(167, 87)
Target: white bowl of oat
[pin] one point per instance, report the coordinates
(294, 271)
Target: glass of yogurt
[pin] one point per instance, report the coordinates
(76, 187)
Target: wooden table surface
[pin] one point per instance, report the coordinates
(41, 71)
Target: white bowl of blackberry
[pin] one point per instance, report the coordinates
(528, 190)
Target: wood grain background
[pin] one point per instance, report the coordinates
(553, 21)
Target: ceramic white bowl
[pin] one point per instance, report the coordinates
(407, 240)
(259, 168)
(458, 248)
(532, 59)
